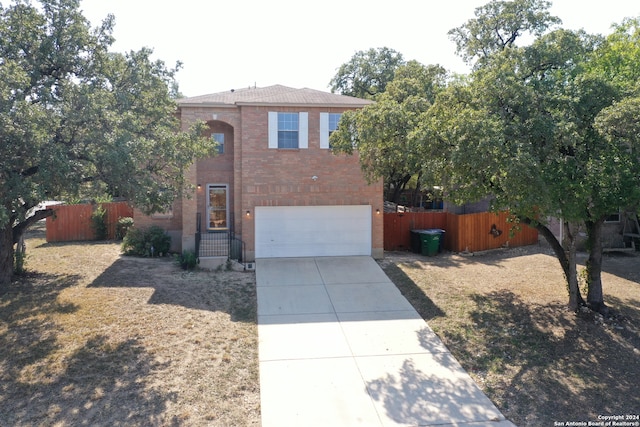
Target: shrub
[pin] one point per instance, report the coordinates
(134, 243)
(187, 260)
(160, 240)
(152, 241)
(123, 226)
(99, 223)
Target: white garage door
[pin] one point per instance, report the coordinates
(300, 231)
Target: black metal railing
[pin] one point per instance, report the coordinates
(236, 249)
(215, 244)
(198, 233)
(223, 243)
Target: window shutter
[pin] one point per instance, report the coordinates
(324, 130)
(303, 130)
(273, 129)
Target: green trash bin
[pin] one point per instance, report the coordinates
(430, 240)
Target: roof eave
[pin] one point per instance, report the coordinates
(206, 104)
(302, 104)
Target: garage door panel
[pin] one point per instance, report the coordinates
(296, 231)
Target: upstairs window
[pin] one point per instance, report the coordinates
(288, 130)
(219, 138)
(334, 118)
(328, 124)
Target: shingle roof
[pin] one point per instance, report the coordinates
(274, 95)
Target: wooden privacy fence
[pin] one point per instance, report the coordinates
(73, 222)
(470, 232)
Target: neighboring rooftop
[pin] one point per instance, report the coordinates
(273, 95)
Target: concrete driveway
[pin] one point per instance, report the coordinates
(340, 346)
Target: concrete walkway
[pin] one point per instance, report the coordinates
(340, 346)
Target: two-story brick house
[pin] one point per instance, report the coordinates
(275, 182)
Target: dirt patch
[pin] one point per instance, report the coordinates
(503, 316)
(90, 337)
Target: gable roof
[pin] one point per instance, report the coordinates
(274, 95)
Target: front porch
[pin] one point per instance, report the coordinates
(215, 248)
(220, 244)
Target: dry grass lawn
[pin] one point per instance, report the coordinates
(89, 337)
(503, 316)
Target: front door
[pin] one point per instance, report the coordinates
(217, 206)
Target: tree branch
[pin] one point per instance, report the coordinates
(22, 226)
(553, 242)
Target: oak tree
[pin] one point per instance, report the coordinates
(380, 131)
(367, 73)
(532, 128)
(77, 119)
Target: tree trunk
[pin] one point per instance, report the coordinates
(6, 257)
(575, 297)
(395, 195)
(9, 236)
(398, 186)
(595, 297)
(416, 191)
(553, 242)
(567, 262)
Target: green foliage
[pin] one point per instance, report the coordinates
(123, 226)
(147, 242)
(79, 120)
(381, 132)
(497, 26)
(523, 128)
(102, 198)
(187, 260)
(367, 73)
(618, 58)
(99, 223)
(227, 266)
(135, 243)
(546, 130)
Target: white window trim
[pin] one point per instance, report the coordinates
(324, 131)
(273, 129)
(303, 130)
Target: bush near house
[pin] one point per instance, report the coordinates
(187, 260)
(146, 242)
(123, 226)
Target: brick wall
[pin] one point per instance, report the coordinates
(171, 222)
(272, 177)
(220, 169)
(259, 176)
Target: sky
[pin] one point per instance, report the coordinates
(232, 44)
